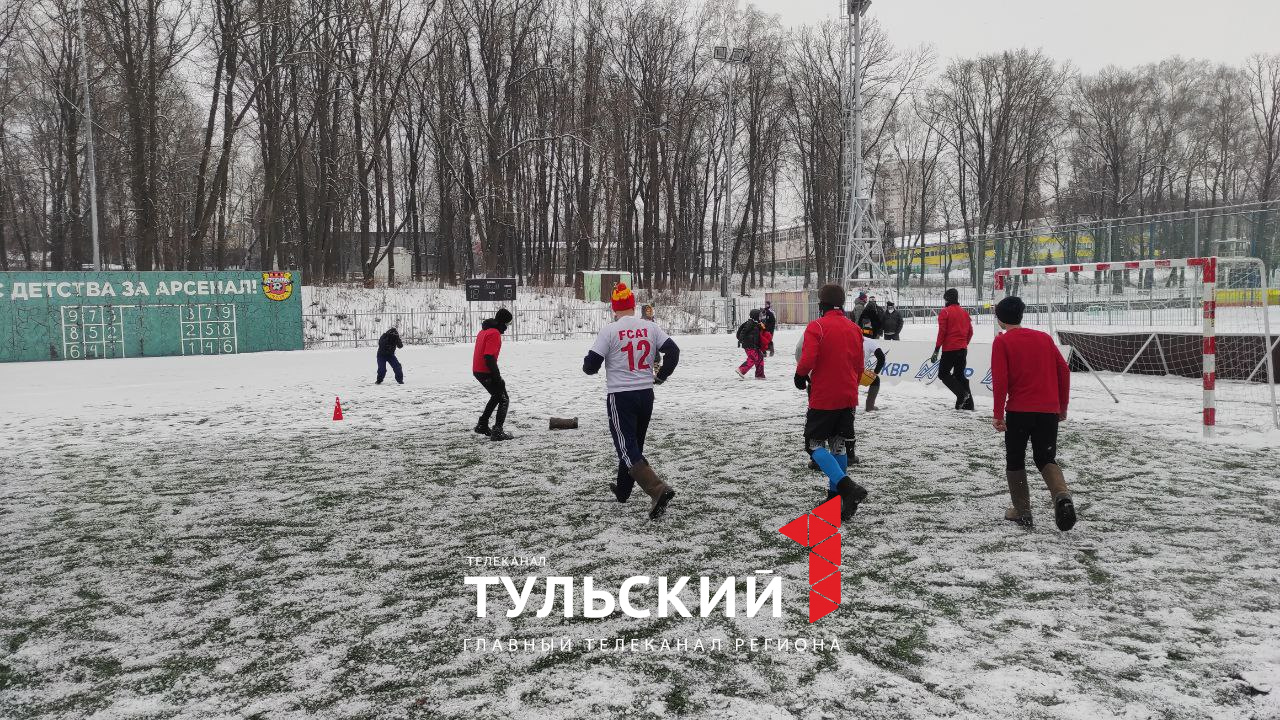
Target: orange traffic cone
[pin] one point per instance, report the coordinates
(337, 409)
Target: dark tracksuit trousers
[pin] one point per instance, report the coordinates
(951, 365)
(383, 362)
(629, 415)
(498, 399)
(1040, 428)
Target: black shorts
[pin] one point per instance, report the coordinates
(1040, 428)
(822, 425)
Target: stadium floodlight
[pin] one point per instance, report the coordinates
(858, 8)
(733, 57)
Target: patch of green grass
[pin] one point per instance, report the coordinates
(16, 641)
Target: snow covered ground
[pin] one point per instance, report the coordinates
(195, 537)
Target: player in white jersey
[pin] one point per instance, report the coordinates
(874, 359)
(628, 348)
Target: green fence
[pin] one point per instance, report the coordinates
(87, 315)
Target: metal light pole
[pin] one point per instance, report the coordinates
(93, 162)
(732, 57)
(857, 249)
(857, 8)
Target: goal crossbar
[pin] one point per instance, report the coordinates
(1208, 270)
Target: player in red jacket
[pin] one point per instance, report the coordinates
(829, 367)
(484, 365)
(955, 330)
(1032, 385)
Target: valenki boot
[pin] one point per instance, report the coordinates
(648, 481)
(1064, 510)
(1020, 495)
(872, 392)
(851, 494)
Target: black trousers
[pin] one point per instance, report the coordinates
(891, 336)
(629, 414)
(1040, 428)
(498, 399)
(383, 362)
(951, 372)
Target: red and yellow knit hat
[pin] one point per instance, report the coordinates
(623, 298)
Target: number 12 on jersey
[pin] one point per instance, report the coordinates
(644, 348)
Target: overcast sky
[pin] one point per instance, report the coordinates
(1090, 33)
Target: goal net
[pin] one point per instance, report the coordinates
(1156, 322)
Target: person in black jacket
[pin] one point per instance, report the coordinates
(892, 321)
(770, 322)
(872, 316)
(749, 340)
(387, 345)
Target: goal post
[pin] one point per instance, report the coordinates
(1205, 317)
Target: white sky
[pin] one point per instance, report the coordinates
(1090, 33)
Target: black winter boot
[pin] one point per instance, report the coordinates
(851, 493)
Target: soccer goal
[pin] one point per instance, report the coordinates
(1209, 318)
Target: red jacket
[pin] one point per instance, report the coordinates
(488, 342)
(832, 358)
(1028, 369)
(954, 328)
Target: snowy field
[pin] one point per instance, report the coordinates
(195, 537)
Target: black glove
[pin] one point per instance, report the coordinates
(934, 358)
(802, 381)
(658, 380)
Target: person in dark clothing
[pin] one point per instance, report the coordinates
(770, 322)
(858, 305)
(874, 361)
(955, 330)
(484, 365)
(749, 340)
(387, 345)
(892, 321)
(872, 316)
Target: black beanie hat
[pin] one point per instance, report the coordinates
(830, 296)
(503, 316)
(1009, 310)
(952, 295)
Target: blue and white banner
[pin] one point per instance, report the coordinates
(908, 361)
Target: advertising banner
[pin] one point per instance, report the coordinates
(92, 315)
(908, 362)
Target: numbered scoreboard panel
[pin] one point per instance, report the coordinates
(91, 332)
(209, 329)
(132, 314)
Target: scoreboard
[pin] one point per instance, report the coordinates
(86, 316)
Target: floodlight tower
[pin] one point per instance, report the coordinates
(857, 250)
